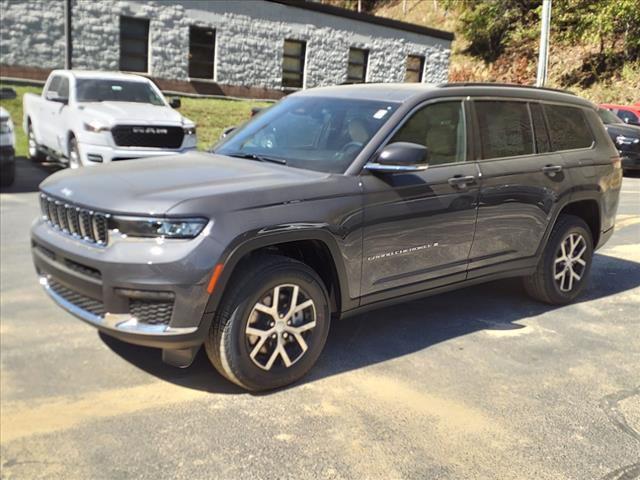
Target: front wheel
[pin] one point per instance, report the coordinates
(565, 264)
(272, 324)
(33, 149)
(74, 153)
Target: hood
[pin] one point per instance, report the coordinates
(153, 186)
(113, 113)
(623, 129)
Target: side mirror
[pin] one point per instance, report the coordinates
(400, 157)
(7, 93)
(54, 97)
(175, 102)
(227, 131)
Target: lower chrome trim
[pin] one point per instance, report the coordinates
(116, 322)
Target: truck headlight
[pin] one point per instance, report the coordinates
(190, 130)
(158, 227)
(96, 126)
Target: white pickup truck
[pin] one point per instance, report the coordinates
(88, 118)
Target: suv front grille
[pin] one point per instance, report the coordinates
(88, 304)
(151, 312)
(147, 136)
(79, 222)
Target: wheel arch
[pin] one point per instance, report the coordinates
(588, 209)
(317, 248)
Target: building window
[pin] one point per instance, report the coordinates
(415, 66)
(293, 63)
(202, 47)
(357, 69)
(134, 44)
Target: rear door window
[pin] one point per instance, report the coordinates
(568, 128)
(505, 128)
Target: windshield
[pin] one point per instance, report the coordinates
(99, 90)
(323, 134)
(608, 117)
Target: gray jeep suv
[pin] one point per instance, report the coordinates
(331, 202)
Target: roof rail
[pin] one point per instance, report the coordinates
(510, 85)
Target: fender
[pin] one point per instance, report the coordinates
(573, 198)
(269, 236)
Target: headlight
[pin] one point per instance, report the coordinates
(158, 227)
(95, 126)
(6, 126)
(622, 140)
(190, 130)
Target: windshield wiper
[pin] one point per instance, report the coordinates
(260, 158)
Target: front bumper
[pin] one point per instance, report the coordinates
(106, 286)
(97, 154)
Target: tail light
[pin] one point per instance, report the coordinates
(616, 161)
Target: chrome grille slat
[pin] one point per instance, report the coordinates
(90, 226)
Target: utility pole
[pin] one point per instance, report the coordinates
(359, 6)
(68, 63)
(543, 56)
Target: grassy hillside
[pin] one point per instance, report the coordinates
(211, 115)
(575, 55)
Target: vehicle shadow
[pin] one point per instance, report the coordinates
(29, 175)
(403, 329)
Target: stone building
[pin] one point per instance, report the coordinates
(258, 48)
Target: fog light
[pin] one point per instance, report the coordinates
(92, 157)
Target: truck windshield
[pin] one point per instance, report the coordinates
(323, 134)
(608, 117)
(100, 90)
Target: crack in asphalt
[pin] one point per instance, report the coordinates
(610, 406)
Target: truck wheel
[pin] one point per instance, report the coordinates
(33, 148)
(272, 324)
(565, 264)
(74, 153)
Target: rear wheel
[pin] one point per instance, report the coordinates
(565, 264)
(272, 324)
(33, 148)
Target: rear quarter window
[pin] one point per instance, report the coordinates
(568, 128)
(505, 128)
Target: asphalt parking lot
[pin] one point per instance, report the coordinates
(474, 384)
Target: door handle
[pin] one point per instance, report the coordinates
(461, 181)
(551, 169)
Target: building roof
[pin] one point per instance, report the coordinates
(368, 18)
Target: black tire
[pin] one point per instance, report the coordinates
(228, 345)
(8, 174)
(33, 149)
(543, 285)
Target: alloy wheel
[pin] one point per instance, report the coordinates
(32, 145)
(570, 264)
(279, 327)
(74, 155)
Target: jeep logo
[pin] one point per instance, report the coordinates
(150, 130)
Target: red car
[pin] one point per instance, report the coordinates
(629, 114)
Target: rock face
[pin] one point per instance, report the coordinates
(248, 46)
